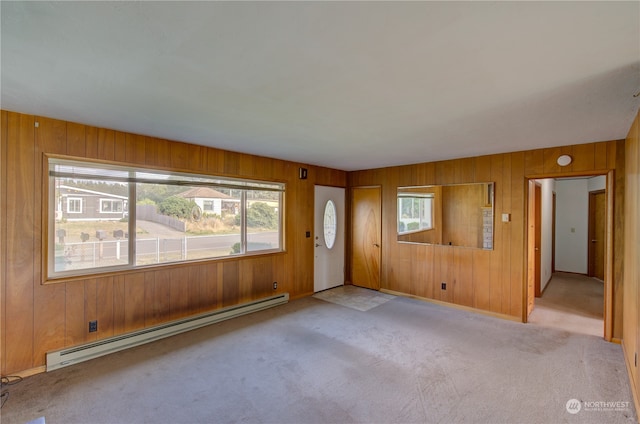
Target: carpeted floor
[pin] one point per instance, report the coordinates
(312, 361)
(571, 302)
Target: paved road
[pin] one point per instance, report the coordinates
(157, 230)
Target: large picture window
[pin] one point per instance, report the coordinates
(121, 218)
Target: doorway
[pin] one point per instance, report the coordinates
(329, 237)
(366, 223)
(575, 212)
(597, 220)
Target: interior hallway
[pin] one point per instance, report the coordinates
(571, 302)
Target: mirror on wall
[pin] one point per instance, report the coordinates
(455, 215)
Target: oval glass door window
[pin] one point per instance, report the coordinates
(330, 224)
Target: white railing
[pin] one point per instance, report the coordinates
(92, 254)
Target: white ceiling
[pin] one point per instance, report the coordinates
(350, 85)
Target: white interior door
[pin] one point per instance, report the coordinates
(329, 237)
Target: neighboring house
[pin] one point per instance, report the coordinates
(80, 204)
(212, 201)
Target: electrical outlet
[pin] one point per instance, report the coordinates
(93, 326)
(275, 285)
(444, 285)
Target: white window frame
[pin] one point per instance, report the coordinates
(425, 199)
(74, 199)
(102, 201)
(204, 205)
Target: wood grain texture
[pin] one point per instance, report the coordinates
(20, 240)
(489, 280)
(366, 236)
(619, 177)
(50, 316)
(631, 298)
(4, 116)
(47, 317)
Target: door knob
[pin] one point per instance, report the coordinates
(593, 241)
(318, 245)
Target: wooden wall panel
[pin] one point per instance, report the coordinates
(4, 117)
(498, 264)
(505, 237)
(157, 152)
(104, 307)
(481, 279)
(76, 142)
(631, 300)
(618, 238)
(49, 304)
(492, 281)
(179, 299)
(231, 286)
(91, 305)
(51, 316)
(516, 235)
(106, 144)
(135, 148)
(91, 140)
(20, 257)
(75, 331)
(134, 310)
(119, 312)
(120, 147)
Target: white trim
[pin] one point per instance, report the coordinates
(111, 201)
(84, 190)
(69, 200)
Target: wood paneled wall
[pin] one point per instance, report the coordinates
(489, 280)
(631, 330)
(37, 318)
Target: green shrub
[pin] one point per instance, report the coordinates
(146, 201)
(413, 226)
(177, 207)
(261, 215)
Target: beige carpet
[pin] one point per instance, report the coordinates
(313, 361)
(573, 303)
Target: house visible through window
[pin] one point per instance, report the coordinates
(108, 205)
(207, 205)
(99, 231)
(74, 205)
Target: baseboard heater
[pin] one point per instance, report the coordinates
(85, 352)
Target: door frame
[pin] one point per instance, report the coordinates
(537, 283)
(591, 229)
(608, 249)
(350, 241)
(344, 233)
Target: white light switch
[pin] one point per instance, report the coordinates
(506, 217)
